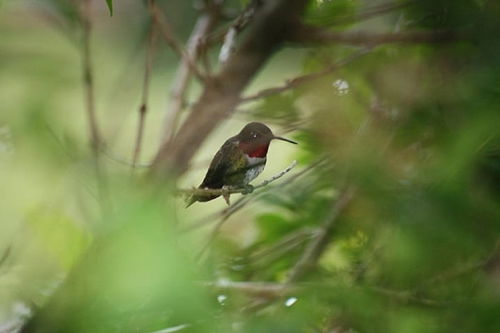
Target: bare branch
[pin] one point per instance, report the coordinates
(211, 192)
(173, 329)
(145, 94)
(5, 256)
(317, 245)
(407, 296)
(228, 46)
(227, 212)
(371, 12)
(273, 290)
(311, 34)
(167, 34)
(261, 289)
(88, 77)
(88, 81)
(202, 27)
(298, 81)
(282, 246)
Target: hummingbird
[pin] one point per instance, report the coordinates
(239, 161)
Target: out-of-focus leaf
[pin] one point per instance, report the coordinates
(62, 236)
(272, 226)
(110, 6)
(280, 108)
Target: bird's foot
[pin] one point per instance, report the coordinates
(247, 189)
(226, 194)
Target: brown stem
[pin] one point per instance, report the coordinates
(165, 31)
(300, 80)
(318, 244)
(145, 94)
(97, 143)
(203, 26)
(210, 192)
(88, 78)
(317, 35)
(244, 200)
(371, 12)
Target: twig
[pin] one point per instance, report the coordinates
(273, 290)
(5, 256)
(317, 245)
(96, 141)
(464, 269)
(407, 296)
(210, 192)
(311, 34)
(295, 82)
(145, 93)
(167, 34)
(217, 227)
(372, 12)
(261, 289)
(244, 200)
(173, 329)
(119, 160)
(183, 75)
(228, 46)
(88, 78)
(282, 246)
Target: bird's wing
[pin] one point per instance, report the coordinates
(220, 165)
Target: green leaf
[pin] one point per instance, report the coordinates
(110, 6)
(272, 226)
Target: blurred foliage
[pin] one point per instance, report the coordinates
(110, 6)
(413, 128)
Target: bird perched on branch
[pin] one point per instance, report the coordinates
(240, 160)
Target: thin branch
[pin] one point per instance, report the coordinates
(261, 289)
(243, 190)
(166, 32)
(5, 256)
(228, 46)
(217, 227)
(88, 78)
(318, 244)
(173, 329)
(88, 81)
(242, 202)
(282, 246)
(316, 35)
(181, 81)
(464, 269)
(227, 212)
(106, 152)
(372, 12)
(300, 80)
(274, 290)
(407, 296)
(145, 94)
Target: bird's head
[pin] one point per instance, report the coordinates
(255, 137)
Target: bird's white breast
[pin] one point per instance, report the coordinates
(253, 172)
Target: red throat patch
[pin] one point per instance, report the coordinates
(260, 151)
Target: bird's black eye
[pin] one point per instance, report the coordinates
(254, 135)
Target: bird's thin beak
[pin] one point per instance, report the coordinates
(284, 139)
